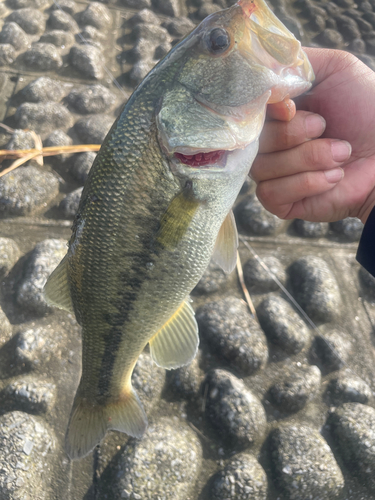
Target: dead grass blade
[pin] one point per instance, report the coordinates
(245, 291)
(23, 155)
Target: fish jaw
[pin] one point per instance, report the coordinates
(272, 44)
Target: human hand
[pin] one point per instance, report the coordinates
(302, 170)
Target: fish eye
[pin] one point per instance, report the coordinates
(218, 40)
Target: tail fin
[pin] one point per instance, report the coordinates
(89, 422)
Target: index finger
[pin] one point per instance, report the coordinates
(282, 135)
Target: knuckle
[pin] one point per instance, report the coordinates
(313, 156)
(265, 195)
(307, 182)
(288, 135)
(262, 192)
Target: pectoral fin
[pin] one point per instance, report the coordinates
(176, 343)
(56, 290)
(225, 251)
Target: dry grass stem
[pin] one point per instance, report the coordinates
(23, 155)
(245, 291)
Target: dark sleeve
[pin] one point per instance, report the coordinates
(366, 248)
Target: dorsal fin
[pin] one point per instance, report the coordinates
(225, 251)
(176, 343)
(56, 290)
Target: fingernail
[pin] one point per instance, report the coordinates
(314, 126)
(335, 175)
(341, 150)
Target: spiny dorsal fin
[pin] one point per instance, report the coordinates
(56, 290)
(225, 251)
(176, 343)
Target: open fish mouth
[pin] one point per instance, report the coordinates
(220, 161)
(202, 159)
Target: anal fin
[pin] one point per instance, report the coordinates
(90, 421)
(225, 251)
(56, 290)
(176, 343)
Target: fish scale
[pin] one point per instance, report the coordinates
(151, 217)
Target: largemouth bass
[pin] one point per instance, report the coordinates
(157, 205)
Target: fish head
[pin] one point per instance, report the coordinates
(230, 67)
(243, 51)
